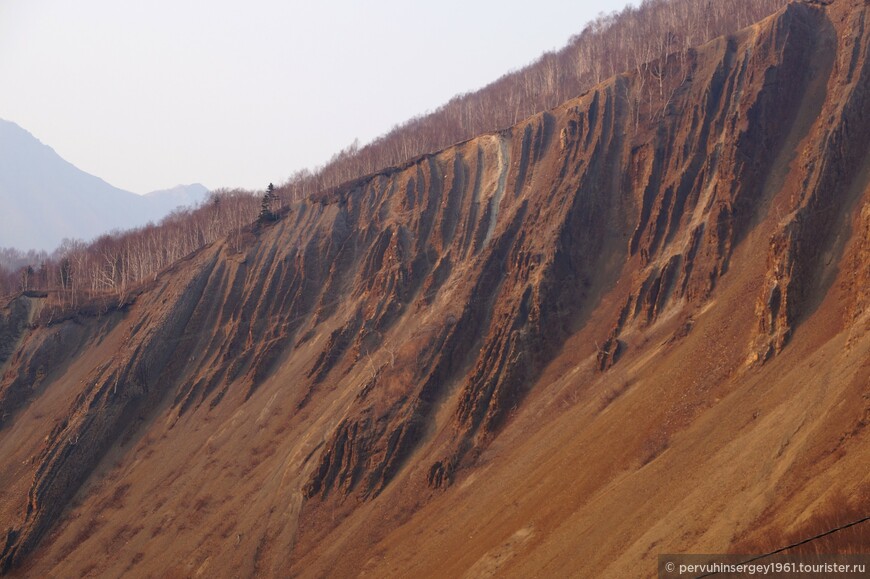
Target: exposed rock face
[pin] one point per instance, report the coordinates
(862, 293)
(372, 345)
(831, 180)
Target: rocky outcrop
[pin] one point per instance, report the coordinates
(831, 181)
(708, 172)
(857, 285)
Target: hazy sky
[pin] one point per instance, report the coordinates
(147, 95)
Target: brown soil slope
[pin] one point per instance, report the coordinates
(632, 325)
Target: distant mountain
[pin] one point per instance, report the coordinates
(44, 198)
(167, 200)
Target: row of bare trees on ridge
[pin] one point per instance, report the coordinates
(114, 263)
(636, 39)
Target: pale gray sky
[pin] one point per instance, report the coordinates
(147, 95)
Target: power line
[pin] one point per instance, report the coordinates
(798, 544)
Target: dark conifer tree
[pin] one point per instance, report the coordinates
(266, 212)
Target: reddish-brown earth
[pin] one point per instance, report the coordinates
(635, 324)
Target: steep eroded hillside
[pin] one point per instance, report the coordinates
(634, 324)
